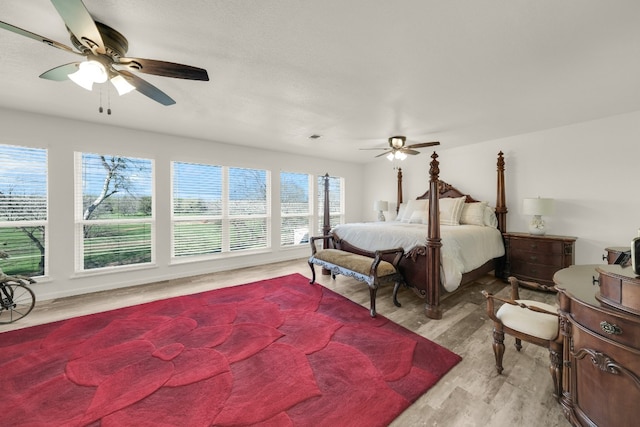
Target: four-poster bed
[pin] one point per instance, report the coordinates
(422, 265)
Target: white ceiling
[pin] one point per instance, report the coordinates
(353, 71)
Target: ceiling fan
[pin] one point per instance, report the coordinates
(104, 50)
(398, 150)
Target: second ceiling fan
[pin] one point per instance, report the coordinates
(398, 149)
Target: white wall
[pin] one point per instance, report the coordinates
(63, 137)
(590, 169)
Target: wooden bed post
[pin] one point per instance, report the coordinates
(326, 222)
(399, 194)
(501, 205)
(432, 307)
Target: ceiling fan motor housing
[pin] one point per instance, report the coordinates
(397, 142)
(116, 45)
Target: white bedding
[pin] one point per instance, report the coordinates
(464, 247)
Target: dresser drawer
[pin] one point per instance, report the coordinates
(619, 328)
(538, 246)
(533, 271)
(619, 292)
(543, 258)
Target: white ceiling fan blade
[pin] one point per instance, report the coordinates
(60, 73)
(37, 37)
(77, 18)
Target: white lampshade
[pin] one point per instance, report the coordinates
(380, 205)
(121, 85)
(537, 206)
(89, 72)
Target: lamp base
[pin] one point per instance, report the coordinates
(381, 216)
(536, 226)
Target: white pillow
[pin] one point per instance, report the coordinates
(414, 205)
(419, 217)
(473, 213)
(490, 219)
(451, 209)
(401, 211)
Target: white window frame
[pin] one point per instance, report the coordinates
(11, 163)
(225, 217)
(309, 215)
(80, 222)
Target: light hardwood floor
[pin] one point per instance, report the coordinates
(471, 394)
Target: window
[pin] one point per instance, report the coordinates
(249, 193)
(336, 205)
(295, 208)
(115, 223)
(23, 210)
(197, 209)
(218, 209)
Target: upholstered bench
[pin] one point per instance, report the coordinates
(373, 271)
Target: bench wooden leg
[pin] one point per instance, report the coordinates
(396, 287)
(372, 294)
(313, 273)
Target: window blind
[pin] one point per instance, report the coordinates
(197, 209)
(295, 208)
(218, 209)
(23, 210)
(114, 211)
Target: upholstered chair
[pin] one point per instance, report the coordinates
(532, 321)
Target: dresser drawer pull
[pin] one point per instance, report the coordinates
(610, 329)
(533, 258)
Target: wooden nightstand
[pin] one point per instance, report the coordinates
(537, 258)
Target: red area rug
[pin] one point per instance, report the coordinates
(278, 352)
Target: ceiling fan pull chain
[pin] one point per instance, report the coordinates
(100, 108)
(108, 100)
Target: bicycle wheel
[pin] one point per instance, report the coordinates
(17, 301)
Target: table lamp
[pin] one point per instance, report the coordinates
(537, 207)
(380, 206)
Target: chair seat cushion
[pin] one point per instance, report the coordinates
(541, 325)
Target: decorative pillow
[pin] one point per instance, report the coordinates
(473, 213)
(490, 219)
(450, 210)
(419, 217)
(413, 205)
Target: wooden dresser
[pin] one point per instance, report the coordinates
(601, 355)
(537, 258)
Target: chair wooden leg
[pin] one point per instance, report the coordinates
(498, 348)
(518, 344)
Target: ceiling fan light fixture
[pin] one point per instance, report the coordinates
(122, 85)
(396, 142)
(390, 157)
(400, 155)
(89, 72)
